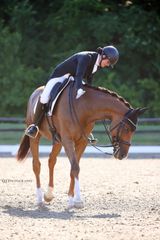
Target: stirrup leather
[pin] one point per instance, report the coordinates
(32, 125)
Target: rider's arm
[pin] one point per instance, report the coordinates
(83, 61)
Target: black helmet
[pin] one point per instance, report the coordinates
(111, 53)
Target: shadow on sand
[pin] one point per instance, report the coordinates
(45, 212)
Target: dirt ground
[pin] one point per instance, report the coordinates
(122, 201)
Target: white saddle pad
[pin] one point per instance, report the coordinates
(56, 98)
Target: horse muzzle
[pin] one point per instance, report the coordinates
(119, 153)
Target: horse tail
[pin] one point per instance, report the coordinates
(23, 148)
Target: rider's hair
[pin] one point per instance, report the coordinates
(99, 50)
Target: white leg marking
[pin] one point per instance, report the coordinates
(39, 195)
(70, 202)
(78, 203)
(77, 190)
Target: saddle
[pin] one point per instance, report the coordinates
(54, 96)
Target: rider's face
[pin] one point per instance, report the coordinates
(105, 62)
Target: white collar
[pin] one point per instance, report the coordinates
(96, 65)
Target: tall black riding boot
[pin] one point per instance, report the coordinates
(33, 129)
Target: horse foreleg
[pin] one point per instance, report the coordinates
(48, 196)
(34, 143)
(74, 189)
(79, 148)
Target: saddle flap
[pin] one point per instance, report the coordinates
(55, 93)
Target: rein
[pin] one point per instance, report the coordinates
(116, 141)
(74, 117)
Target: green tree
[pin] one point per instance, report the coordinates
(37, 35)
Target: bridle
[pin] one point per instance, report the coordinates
(121, 126)
(115, 141)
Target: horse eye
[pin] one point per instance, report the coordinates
(114, 139)
(127, 130)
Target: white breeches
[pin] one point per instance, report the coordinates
(46, 92)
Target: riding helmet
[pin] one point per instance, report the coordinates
(111, 53)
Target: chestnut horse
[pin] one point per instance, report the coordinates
(95, 104)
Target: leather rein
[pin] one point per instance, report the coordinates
(115, 141)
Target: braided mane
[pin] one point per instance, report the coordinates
(114, 94)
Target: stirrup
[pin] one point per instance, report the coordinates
(92, 141)
(29, 135)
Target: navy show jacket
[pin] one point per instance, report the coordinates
(79, 65)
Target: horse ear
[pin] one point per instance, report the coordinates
(140, 111)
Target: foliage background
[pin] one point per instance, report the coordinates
(37, 35)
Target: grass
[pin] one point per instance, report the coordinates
(14, 137)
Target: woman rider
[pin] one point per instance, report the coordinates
(80, 66)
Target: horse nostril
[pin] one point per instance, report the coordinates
(123, 155)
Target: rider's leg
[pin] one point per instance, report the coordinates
(33, 129)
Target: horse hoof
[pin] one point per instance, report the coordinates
(48, 198)
(70, 206)
(40, 205)
(78, 204)
(70, 203)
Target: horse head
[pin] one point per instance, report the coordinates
(123, 131)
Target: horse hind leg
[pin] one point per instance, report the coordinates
(34, 143)
(48, 196)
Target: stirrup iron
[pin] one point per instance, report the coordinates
(26, 131)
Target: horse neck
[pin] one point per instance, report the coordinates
(105, 106)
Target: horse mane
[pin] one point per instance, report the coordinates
(113, 94)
